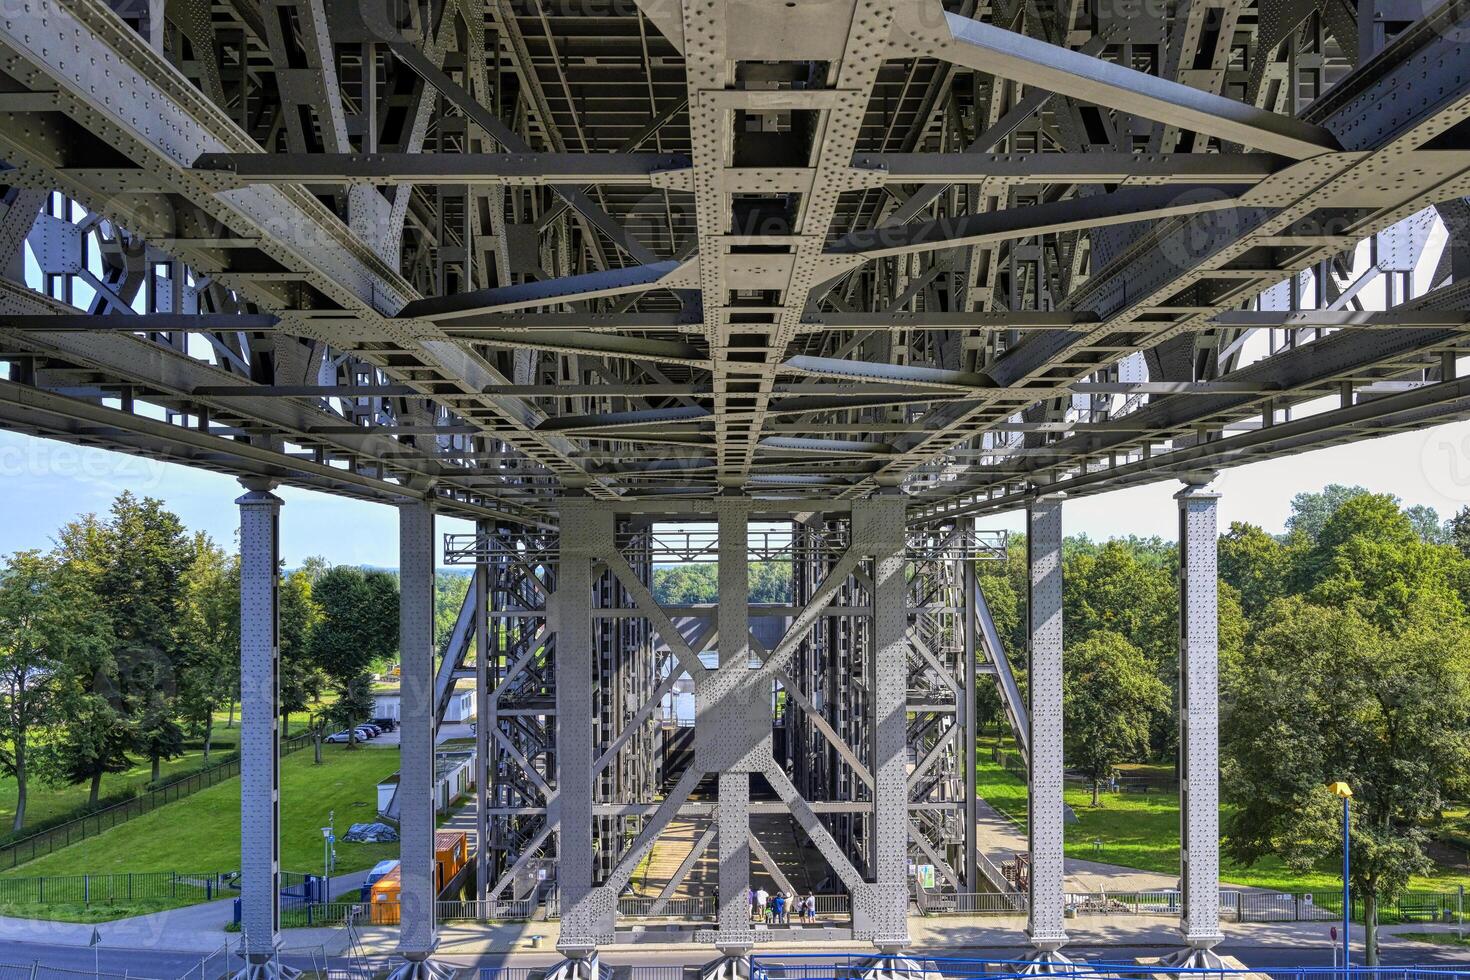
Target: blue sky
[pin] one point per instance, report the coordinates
(43, 484)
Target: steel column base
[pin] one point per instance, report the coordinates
(578, 965)
(892, 966)
(418, 966)
(1195, 957)
(270, 967)
(1047, 960)
(729, 965)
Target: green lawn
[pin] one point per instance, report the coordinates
(45, 801)
(96, 912)
(202, 832)
(1142, 831)
(1437, 938)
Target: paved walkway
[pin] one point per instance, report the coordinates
(195, 928)
(199, 930)
(1001, 840)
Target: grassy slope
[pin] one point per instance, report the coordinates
(48, 801)
(1142, 831)
(202, 832)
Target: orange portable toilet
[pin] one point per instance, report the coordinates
(450, 854)
(384, 898)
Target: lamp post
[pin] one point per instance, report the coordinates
(329, 837)
(1345, 793)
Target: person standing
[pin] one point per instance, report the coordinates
(761, 898)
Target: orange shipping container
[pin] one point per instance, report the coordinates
(451, 851)
(384, 898)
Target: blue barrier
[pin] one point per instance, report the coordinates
(852, 966)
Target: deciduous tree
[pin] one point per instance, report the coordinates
(47, 619)
(1110, 697)
(209, 635)
(1327, 694)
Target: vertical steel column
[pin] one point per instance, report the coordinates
(1199, 705)
(878, 530)
(486, 674)
(970, 731)
(418, 931)
(586, 914)
(260, 791)
(732, 619)
(1044, 558)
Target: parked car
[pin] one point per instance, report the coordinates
(365, 733)
(386, 724)
(375, 729)
(336, 738)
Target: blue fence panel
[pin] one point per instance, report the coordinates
(817, 966)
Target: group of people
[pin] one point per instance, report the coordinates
(778, 909)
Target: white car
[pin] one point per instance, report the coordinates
(337, 738)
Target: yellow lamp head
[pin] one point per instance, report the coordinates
(1340, 789)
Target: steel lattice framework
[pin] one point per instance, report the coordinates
(495, 253)
(868, 269)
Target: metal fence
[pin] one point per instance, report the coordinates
(107, 889)
(1263, 906)
(313, 913)
(707, 908)
(40, 971)
(501, 910)
(299, 914)
(839, 905)
(73, 831)
(969, 903)
(674, 908)
(1408, 906)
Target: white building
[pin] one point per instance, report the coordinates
(461, 708)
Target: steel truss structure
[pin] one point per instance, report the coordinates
(874, 267)
(877, 654)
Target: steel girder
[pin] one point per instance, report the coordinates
(959, 256)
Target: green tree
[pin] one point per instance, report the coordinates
(770, 582)
(450, 589)
(210, 636)
(1110, 697)
(1457, 531)
(1427, 525)
(300, 678)
(1369, 553)
(137, 560)
(47, 619)
(1258, 565)
(1123, 589)
(685, 584)
(1003, 583)
(97, 733)
(142, 589)
(1310, 511)
(358, 627)
(1326, 694)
